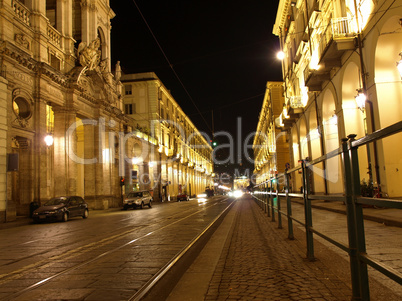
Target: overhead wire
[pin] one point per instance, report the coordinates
(231, 104)
(171, 65)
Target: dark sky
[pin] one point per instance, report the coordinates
(222, 54)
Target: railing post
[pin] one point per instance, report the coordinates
(267, 198)
(289, 207)
(272, 199)
(307, 212)
(278, 202)
(354, 213)
(264, 197)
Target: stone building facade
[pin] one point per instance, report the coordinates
(181, 157)
(337, 53)
(56, 83)
(271, 142)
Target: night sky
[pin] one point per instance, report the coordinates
(217, 57)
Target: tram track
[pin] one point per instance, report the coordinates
(98, 247)
(115, 234)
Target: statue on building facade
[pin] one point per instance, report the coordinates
(89, 55)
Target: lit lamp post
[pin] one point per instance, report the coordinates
(399, 65)
(361, 104)
(360, 100)
(49, 140)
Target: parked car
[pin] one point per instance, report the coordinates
(61, 209)
(183, 197)
(136, 199)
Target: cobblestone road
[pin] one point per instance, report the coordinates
(259, 263)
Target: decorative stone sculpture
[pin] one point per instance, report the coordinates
(89, 55)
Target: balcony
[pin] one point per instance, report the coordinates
(296, 102)
(338, 37)
(329, 46)
(313, 78)
(22, 12)
(54, 36)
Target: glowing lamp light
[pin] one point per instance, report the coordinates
(49, 140)
(280, 55)
(360, 100)
(399, 65)
(136, 160)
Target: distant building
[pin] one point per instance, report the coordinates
(341, 77)
(241, 182)
(270, 145)
(182, 158)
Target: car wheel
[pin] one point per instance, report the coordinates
(65, 217)
(142, 205)
(125, 207)
(149, 204)
(86, 213)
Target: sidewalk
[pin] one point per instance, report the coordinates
(249, 258)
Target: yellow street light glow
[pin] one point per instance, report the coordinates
(49, 140)
(399, 65)
(280, 55)
(360, 100)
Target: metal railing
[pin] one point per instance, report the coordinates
(268, 197)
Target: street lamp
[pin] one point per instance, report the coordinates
(399, 65)
(136, 161)
(280, 55)
(49, 140)
(360, 99)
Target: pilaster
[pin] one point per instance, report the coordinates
(40, 154)
(3, 148)
(65, 147)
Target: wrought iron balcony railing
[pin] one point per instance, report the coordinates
(295, 102)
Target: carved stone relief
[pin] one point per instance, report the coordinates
(22, 40)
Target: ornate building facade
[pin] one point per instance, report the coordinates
(341, 78)
(181, 160)
(270, 145)
(56, 83)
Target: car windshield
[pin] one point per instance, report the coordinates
(134, 194)
(56, 201)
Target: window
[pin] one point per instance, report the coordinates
(51, 8)
(128, 108)
(54, 62)
(22, 108)
(128, 90)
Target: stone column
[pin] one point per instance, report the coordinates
(3, 148)
(65, 25)
(91, 156)
(88, 22)
(39, 25)
(157, 178)
(64, 152)
(40, 154)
